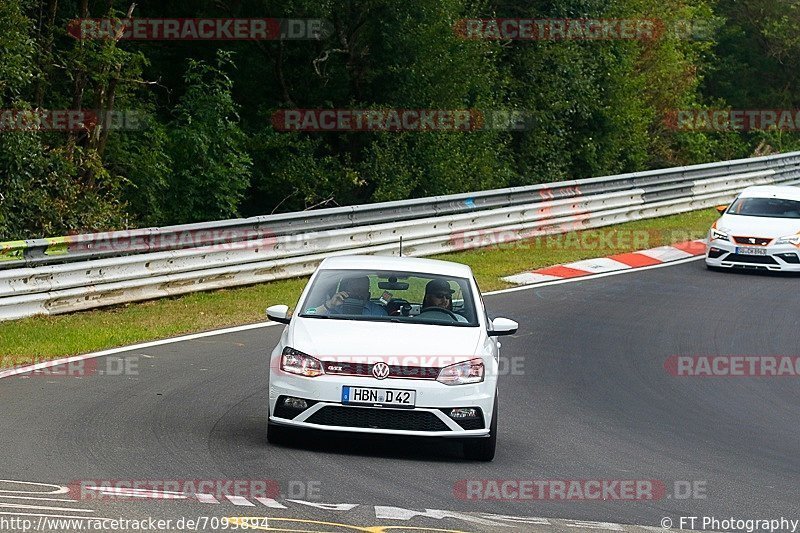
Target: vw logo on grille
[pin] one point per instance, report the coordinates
(380, 371)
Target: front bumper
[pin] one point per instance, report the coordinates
(780, 257)
(428, 418)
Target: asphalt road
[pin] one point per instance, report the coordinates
(589, 399)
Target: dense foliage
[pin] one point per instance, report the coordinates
(209, 149)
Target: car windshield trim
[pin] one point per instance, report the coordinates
(763, 216)
(463, 305)
(393, 319)
(764, 204)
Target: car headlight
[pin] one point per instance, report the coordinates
(462, 373)
(789, 239)
(718, 235)
(296, 362)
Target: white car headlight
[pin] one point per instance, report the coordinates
(296, 362)
(789, 239)
(462, 373)
(718, 235)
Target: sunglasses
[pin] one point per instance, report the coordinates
(442, 295)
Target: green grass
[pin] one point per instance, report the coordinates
(47, 337)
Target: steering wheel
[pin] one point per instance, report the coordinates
(395, 307)
(439, 310)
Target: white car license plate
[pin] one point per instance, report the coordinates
(382, 397)
(750, 251)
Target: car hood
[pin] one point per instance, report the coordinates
(353, 340)
(745, 226)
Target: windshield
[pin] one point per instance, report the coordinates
(765, 207)
(390, 296)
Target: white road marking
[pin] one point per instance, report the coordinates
(37, 498)
(398, 513)
(60, 489)
(327, 506)
(65, 360)
(43, 508)
(76, 517)
(239, 500)
(666, 253)
(269, 502)
(583, 524)
(530, 277)
(599, 264)
(206, 498)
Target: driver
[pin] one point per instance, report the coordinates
(439, 294)
(355, 288)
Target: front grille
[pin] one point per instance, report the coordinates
(360, 417)
(752, 259)
(395, 371)
(760, 241)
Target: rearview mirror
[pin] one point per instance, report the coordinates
(721, 208)
(393, 285)
(279, 313)
(503, 326)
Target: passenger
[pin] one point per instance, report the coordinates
(356, 291)
(439, 294)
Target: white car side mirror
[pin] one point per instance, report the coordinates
(503, 326)
(279, 313)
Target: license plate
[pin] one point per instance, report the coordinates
(751, 251)
(378, 397)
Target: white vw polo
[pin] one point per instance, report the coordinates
(759, 230)
(388, 345)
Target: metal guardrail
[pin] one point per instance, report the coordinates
(64, 274)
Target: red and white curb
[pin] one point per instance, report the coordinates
(627, 261)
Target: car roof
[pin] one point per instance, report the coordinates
(787, 192)
(406, 264)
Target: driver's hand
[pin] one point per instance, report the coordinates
(337, 299)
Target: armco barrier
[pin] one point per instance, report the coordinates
(64, 274)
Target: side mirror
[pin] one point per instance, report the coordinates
(503, 326)
(279, 313)
(721, 208)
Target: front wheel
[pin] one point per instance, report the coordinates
(483, 448)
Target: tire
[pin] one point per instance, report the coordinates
(482, 449)
(279, 435)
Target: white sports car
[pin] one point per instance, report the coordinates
(759, 230)
(388, 345)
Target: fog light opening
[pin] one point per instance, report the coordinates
(295, 403)
(463, 413)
